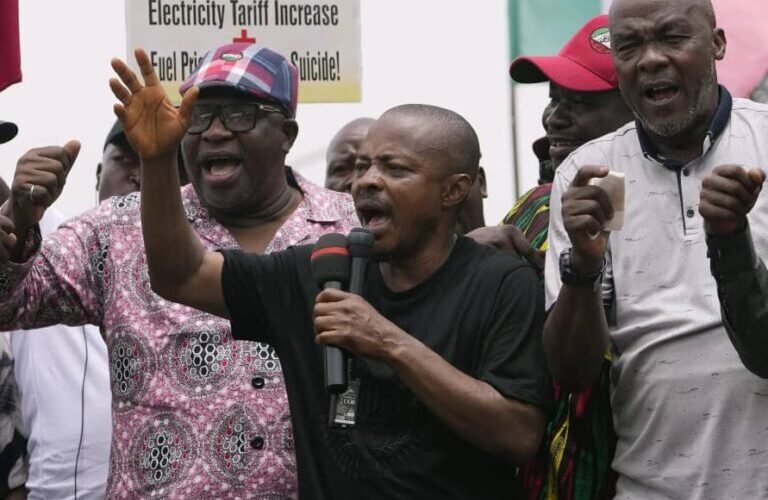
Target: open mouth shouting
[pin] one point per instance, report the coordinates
(660, 93)
(219, 167)
(374, 214)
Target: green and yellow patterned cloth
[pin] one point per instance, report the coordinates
(574, 460)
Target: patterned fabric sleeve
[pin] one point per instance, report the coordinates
(574, 460)
(531, 215)
(57, 282)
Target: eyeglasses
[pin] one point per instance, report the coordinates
(239, 117)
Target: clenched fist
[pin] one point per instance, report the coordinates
(586, 209)
(727, 195)
(38, 181)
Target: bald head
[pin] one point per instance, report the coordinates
(414, 172)
(342, 152)
(449, 132)
(704, 6)
(665, 53)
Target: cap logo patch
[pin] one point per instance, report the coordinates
(232, 56)
(600, 40)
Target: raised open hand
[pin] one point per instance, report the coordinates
(153, 126)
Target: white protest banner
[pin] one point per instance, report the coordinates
(321, 38)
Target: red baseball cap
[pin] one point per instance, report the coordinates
(584, 64)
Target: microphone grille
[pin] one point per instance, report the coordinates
(330, 259)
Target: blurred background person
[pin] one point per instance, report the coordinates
(119, 173)
(585, 103)
(342, 152)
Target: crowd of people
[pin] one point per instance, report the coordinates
(597, 343)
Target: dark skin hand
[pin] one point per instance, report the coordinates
(38, 181)
(348, 321)
(727, 195)
(576, 331)
(153, 126)
(19, 493)
(7, 238)
(510, 239)
(586, 209)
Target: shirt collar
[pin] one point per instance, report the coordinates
(716, 127)
(319, 204)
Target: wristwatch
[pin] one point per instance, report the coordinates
(569, 276)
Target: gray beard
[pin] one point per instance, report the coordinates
(674, 127)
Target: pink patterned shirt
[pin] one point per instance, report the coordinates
(195, 413)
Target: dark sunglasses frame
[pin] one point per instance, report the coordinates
(227, 113)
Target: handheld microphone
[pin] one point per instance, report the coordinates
(360, 243)
(330, 268)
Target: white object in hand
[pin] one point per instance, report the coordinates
(613, 185)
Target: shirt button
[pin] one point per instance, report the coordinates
(686, 172)
(257, 382)
(690, 213)
(257, 443)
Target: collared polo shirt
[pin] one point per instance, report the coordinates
(691, 420)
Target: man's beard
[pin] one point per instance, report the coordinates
(674, 127)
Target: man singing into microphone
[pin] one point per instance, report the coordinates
(452, 385)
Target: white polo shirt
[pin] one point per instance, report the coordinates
(692, 422)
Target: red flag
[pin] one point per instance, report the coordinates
(10, 57)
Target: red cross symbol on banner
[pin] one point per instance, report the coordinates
(244, 38)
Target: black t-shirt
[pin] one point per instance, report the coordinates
(482, 311)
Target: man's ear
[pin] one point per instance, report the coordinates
(455, 189)
(720, 43)
(481, 181)
(291, 131)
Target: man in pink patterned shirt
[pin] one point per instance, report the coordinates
(196, 414)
